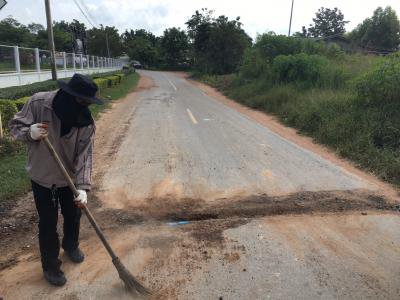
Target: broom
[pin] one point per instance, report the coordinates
(130, 282)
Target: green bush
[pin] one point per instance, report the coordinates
(120, 76)
(107, 82)
(355, 65)
(9, 146)
(308, 70)
(7, 110)
(102, 83)
(379, 92)
(102, 75)
(113, 80)
(270, 46)
(16, 92)
(21, 102)
(254, 65)
(381, 86)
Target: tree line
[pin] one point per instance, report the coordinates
(210, 44)
(34, 35)
(381, 32)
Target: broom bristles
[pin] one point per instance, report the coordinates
(131, 283)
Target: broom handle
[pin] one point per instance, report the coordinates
(76, 193)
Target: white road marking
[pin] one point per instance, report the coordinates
(173, 85)
(170, 82)
(265, 146)
(191, 116)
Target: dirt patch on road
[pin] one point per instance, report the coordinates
(186, 209)
(211, 232)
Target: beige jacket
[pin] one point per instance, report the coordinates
(74, 149)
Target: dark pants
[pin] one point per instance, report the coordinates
(47, 201)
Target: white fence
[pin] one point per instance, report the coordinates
(20, 65)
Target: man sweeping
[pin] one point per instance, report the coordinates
(64, 117)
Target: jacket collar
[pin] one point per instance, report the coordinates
(48, 101)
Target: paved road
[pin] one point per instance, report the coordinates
(267, 219)
(183, 142)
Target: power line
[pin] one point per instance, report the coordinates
(87, 10)
(80, 3)
(83, 13)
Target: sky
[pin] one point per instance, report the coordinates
(156, 15)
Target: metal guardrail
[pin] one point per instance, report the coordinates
(22, 65)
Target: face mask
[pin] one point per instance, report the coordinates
(70, 112)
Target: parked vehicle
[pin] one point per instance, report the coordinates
(136, 64)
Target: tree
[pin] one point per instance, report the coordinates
(64, 35)
(141, 45)
(381, 32)
(97, 44)
(14, 33)
(174, 45)
(228, 42)
(303, 34)
(35, 35)
(63, 39)
(199, 27)
(218, 43)
(327, 22)
(34, 28)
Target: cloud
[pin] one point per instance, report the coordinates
(156, 15)
(28, 12)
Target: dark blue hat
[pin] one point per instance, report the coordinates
(81, 86)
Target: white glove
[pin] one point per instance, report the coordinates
(38, 131)
(82, 197)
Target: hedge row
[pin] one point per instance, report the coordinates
(7, 111)
(9, 107)
(17, 92)
(109, 81)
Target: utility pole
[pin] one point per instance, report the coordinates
(1, 127)
(108, 47)
(290, 22)
(2, 3)
(51, 40)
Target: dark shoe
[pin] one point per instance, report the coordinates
(56, 278)
(76, 255)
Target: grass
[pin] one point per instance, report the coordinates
(7, 67)
(13, 178)
(14, 181)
